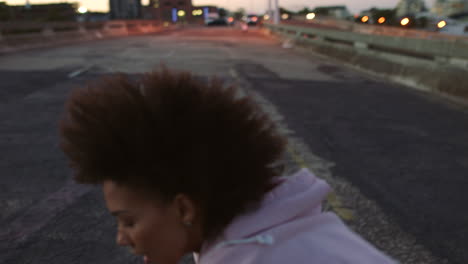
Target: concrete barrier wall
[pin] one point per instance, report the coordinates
(376, 29)
(20, 36)
(436, 65)
(449, 50)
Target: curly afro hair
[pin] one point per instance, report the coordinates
(170, 133)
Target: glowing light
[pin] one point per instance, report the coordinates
(197, 12)
(231, 19)
(284, 16)
(364, 19)
(82, 9)
(405, 21)
(310, 16)
(381, 20)
(181, 13)
(254, 19)
(441, 24)
(266, 17)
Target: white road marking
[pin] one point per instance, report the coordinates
(79, 71)
(229, 52)
(169, 54)
(233, 73)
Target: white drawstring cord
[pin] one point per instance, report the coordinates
(261, 239)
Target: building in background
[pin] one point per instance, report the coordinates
(410, 7)
(125, 9)
(450, 7)
(169, 10)
(177, 11)
(438, 7)
(339, 12)
(93, 17)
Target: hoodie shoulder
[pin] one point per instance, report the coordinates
(323, 239)
(289, 227)
(296, 196)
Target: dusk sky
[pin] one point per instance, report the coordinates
(250, 5)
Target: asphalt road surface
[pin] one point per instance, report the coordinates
(397, 158)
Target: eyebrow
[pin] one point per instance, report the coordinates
(118, 212)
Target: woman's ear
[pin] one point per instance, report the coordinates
(189, 214)
(186, 209)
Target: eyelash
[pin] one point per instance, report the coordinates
(127, 223)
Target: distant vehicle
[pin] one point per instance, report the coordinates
(217, 22)
(231, 21)
(252, 20)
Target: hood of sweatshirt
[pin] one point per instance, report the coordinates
(289, 227)
(296, 196)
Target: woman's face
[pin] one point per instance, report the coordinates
(162, 233)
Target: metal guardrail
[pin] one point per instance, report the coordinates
(442, 50)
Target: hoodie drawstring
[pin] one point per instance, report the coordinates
(260, 239)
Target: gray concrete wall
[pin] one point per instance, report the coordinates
(436, 65)
(376, 29)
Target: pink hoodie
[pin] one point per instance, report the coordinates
(289, 227)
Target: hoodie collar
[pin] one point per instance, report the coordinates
(298, 195)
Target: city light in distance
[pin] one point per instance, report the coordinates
(82, 10)
(441, 24)
(284, 16)
(266, 17)
(181, 13)
(405, 21)
(310, 16)
(381, 20)
(197, 12)
(364, 19)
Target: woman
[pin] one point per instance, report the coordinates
(190, 167)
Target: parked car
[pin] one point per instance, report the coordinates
(217, 22)
(252, 20)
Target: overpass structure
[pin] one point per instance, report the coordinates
(396, 158)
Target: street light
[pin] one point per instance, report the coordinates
(441, 24)
(381, 20)
(405, 21)
(197, 12)
(82, 10)
(284, 16)
(310, 16)
(181, 13)
(364, 19)
(276, 14)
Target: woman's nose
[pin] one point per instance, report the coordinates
(122, 239)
